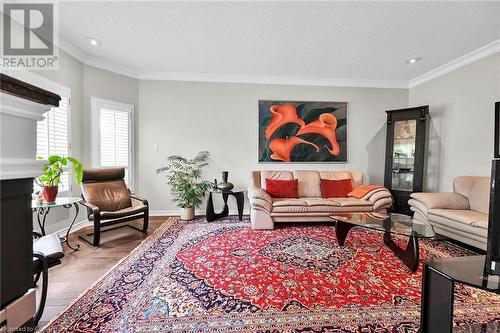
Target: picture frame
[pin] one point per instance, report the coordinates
(291, 131)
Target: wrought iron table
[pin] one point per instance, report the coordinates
(389, 224)
(235, 192)
(43, 209)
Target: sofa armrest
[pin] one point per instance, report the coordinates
(255, 192)
(443, 200)
(137, 198)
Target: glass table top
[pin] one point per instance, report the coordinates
(60, 201)
(233, 190)
(398, 224)
(468, 270)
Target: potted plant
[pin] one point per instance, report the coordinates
(49, 181)
(184, 178)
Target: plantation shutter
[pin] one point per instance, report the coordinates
(52, 136)
(115, 139)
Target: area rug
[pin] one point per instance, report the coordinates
(223, 276)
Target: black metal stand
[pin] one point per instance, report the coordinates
(42, 216)
(211, 215)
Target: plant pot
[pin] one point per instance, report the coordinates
(49, 193)
(187, 213)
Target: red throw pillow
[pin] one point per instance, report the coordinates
(278, 188)
(336, 188)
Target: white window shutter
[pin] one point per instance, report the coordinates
(52, 136)
(114, 138)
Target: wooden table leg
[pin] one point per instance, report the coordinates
(341, 231)
(408, 256)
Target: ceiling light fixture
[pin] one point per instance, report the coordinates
(94, 42)
(413, 60)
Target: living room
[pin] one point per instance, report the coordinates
(250, 166)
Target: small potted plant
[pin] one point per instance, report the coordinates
(49, 181)
(184, 178)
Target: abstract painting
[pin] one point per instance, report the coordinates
(291, 131)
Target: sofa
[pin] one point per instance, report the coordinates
(309, 206)
(462, 214)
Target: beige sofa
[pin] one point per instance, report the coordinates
(310, 206)
(461, 214)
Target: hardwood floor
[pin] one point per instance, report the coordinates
(80, 269)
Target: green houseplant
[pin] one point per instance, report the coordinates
(184, 178)
(51, 177)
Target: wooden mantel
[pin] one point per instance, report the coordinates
(18, 88)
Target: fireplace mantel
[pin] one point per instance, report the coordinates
(21, 106)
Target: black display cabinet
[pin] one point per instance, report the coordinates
(405, 154)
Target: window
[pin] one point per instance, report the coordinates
(112, 139)
(52, 137)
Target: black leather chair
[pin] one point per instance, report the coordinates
(109, 201)
(47, 252)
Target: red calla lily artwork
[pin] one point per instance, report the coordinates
(282, 148)
(281, 115)
(302, 131)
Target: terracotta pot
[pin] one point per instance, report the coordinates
(187, 213)
(49, 193)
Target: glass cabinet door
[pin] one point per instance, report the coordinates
(403, 156)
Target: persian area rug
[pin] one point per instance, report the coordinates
(225, 277)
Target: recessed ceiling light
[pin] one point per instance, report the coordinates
(413, 60)
(94, 42)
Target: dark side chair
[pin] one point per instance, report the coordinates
(109, 201)
(47, 252)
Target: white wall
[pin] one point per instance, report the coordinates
(186, 117)
(460, 137)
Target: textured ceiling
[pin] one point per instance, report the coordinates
(336, 40)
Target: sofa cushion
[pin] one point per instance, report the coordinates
(305, 205)
(356, 176)
(476, 190)
(352, 202)
(277, 202)
(336, 188)
(284, 175)
(454, 216)
(278, 188)
(309, 183)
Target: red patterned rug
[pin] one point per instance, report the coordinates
(225, 277)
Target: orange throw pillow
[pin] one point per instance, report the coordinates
(336, 188)
(278, 188)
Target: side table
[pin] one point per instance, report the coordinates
(238, 193)
(438, 286)
(43, 209)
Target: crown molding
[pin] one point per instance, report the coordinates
(276, 80)
(79, 54)
(464, 60)
(72, 49)
(111, 67)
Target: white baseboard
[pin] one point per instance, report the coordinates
(77, 226)
(200, 212)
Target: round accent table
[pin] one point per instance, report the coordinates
(238, 193)
(43, 209)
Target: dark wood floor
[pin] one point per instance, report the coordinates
(80, 269)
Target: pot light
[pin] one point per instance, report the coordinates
(413, 60)
(94, 42)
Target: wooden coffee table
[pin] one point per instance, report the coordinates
(389, 224)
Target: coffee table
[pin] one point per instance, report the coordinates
(389, 224)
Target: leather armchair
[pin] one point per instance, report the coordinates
(109, 201)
